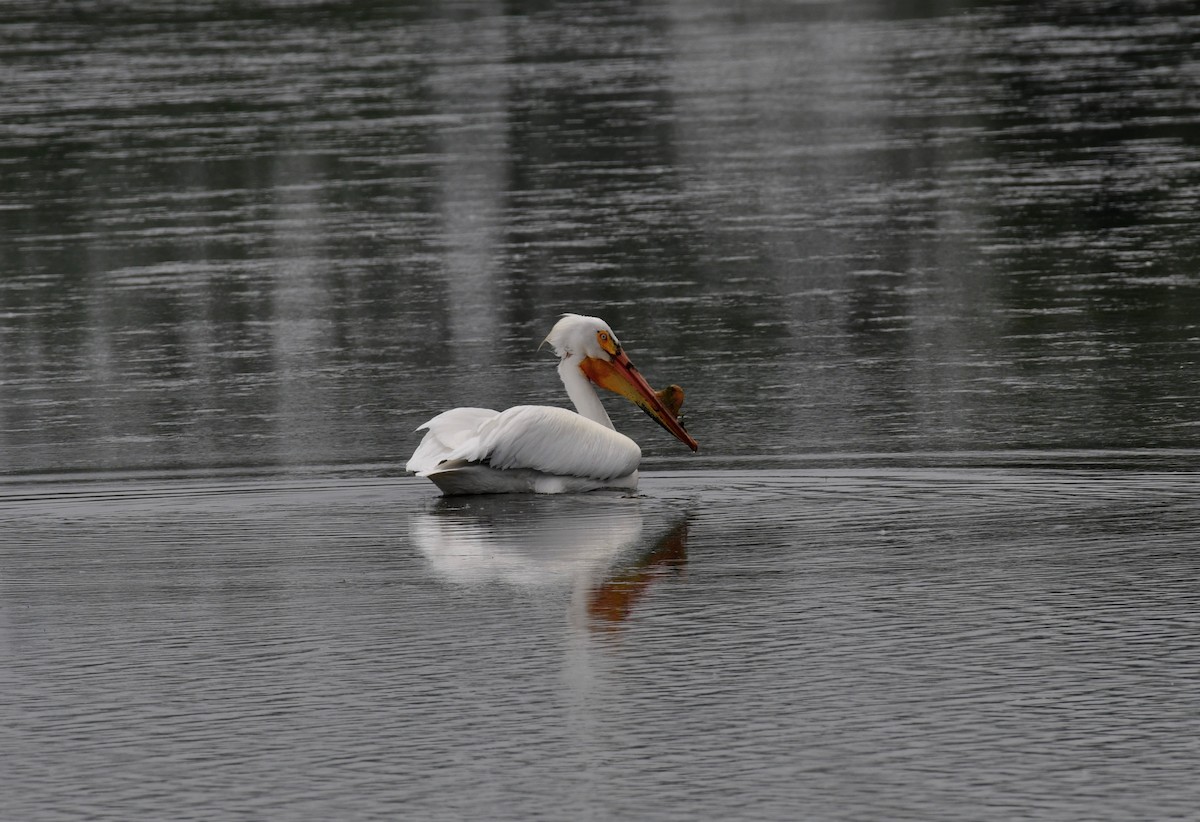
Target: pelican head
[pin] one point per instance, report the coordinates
(589, 344)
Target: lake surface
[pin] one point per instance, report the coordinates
(843, 644)
(926, 270)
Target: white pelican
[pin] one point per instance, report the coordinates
(550, 450)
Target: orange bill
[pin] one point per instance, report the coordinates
(671, 397)
(621, 377)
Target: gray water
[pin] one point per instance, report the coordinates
(927, 272)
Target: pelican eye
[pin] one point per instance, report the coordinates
(607, 342)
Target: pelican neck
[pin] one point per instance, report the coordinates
(579, 389)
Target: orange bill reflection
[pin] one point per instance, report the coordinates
(610, 603)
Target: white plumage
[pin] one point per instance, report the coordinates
(541, 448)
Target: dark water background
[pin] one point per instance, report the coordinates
(927, 270)
(288, 233)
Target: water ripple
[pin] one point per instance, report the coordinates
(920, 643)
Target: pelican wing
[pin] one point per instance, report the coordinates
(541, 438)
(446, 432)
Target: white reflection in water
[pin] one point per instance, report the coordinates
(606, 548)
(609, 550)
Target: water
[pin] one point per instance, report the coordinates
(927, 272)
(925, 644)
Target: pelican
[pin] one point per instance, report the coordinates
(548, 450)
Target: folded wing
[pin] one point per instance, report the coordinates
(446, 432)
(541, 438)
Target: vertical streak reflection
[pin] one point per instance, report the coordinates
(472, 177)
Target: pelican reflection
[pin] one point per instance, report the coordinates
(608, 555)
(612, 600)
